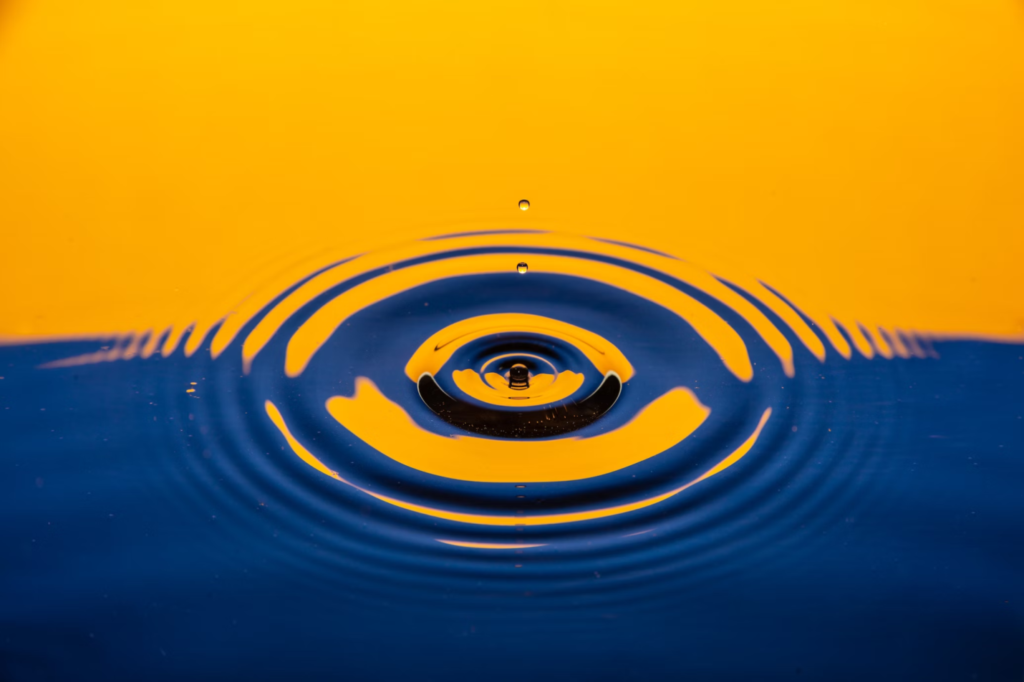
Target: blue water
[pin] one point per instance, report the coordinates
(875, 531)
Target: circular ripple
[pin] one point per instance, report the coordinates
(726, 439)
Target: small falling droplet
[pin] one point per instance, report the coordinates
(523, 268)
(524, 205)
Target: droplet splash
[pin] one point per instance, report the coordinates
(524, 205)
(519, 377)
(624, 353)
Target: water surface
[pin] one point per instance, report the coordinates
(276, 496)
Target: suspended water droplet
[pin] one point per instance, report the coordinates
(524, 205)
(519, 377)
(522, 268)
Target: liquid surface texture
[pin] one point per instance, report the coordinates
(295, 385)
(610, 438)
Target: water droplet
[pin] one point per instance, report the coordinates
(524, 205)
(519, 377)
(522, 268)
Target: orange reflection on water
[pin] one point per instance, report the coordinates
(387, 428)
(544, 388)
(315, 331)
(433, 353)
(536, 520)
(485, 545)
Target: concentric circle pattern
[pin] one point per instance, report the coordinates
(431, 412)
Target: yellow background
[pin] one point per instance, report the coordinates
(865, 157)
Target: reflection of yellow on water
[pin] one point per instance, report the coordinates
(269, 312)
(493, 388)
(436, 350)
(322, 324)
(499, 520)
(387, 428)
(543, 388)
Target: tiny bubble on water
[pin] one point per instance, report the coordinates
(522, 268)
(524, 205)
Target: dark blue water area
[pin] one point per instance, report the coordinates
(875, 531)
